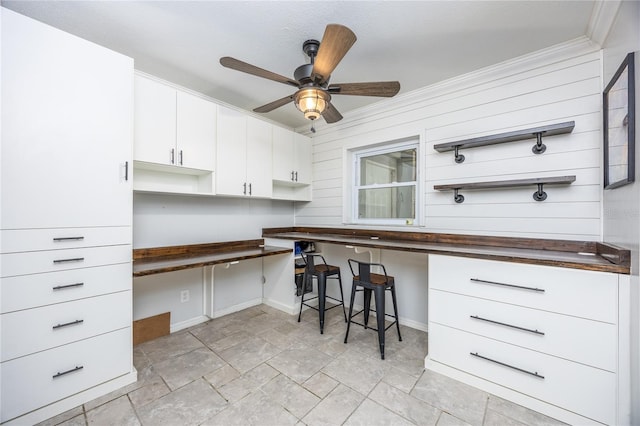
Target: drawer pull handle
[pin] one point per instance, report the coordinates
(63, 239)
(66, 324)
(73, 370)
(534, 374)
(62, 287)
(74, 259)
(507, 325)
(476, 280)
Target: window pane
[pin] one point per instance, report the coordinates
(387, 203)
(399, 166)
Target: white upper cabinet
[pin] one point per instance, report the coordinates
(67, 125)
(173, 127)
(243, 152)
(291, 157)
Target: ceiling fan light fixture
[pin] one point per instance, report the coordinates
(312, 102)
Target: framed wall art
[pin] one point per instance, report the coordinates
(619, 126)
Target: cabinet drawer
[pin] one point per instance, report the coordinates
(586, 294)
(587, 391)
(34, 330)
(31, 291)
(564, 336)
(36, 380)
(20, 240)
(35, 262)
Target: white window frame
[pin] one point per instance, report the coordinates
(358, 154)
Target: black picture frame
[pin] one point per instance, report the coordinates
(618, 108)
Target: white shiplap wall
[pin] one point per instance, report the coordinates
(552, 86)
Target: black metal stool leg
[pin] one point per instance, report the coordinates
(304, 287)
(395, 310)
(344, 312)
(380, 308)
(353, 297)
(367, 306)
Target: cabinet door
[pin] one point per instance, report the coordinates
(231, 156)
(283, 154)
(303, 161)
(196, 132)
(155, 117)
(259, 153)
(67, 126)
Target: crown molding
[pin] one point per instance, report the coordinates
(602, 18)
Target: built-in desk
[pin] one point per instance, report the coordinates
(587, 255)
(156, 260)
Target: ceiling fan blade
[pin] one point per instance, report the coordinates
(275, 104)
(385, 89)
(238, 65)
(336, 42)
(331, 114)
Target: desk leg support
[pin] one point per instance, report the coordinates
(208, 289)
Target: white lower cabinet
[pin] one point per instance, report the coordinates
(45, 377)
(549, 338)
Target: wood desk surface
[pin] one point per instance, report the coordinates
(158, 260)
(592, 256)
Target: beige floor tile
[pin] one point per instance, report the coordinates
(249, 353)
(190, 405)
(335, 408)
(293, 397)
(166, 347)
(299, 364)
(447, 419)
(405, 405)
(222, 376)
(320, 384)
(371, 414)
(357, 371)
(460, 400)
(63, 417)
(183, 369)
(248, 382)
(256, 409)
(520, 413)
(116, 412)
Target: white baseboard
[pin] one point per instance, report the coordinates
(236, 308)
(188, 323)
(289, 309)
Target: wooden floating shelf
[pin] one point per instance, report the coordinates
(539, 195)
(518, 135)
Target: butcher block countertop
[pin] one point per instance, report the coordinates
(156, 260)
(587, 255)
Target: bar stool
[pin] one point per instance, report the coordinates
(321, 271)
(368, 282)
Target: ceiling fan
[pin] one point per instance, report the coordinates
(314, 93)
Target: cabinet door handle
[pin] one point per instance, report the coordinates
(67, 324)
(249, 189)
(532, 373)
(173, 156)
(292, 175)
(63, 239)
(126, 171)
(181, 157)
(74, 259)
(296, 176)
(517, 327)
(244, 190)
(62, 287)
(476, 280)
(73, 370)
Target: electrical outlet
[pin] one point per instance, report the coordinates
(184, 296)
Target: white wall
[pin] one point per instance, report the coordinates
(557, 85)
(162, 220)
(621, 217)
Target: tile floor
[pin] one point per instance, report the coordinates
(260, 366)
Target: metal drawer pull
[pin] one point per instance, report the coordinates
(66, 324)
(507, 325)
(76, 368)
(62, 287)
(535, 374)
(61, 239)
(73, 259)
(476, 280)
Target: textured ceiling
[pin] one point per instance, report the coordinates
(417, 43)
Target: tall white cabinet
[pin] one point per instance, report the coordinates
(65, 220)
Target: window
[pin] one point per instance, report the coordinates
(386, 184)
